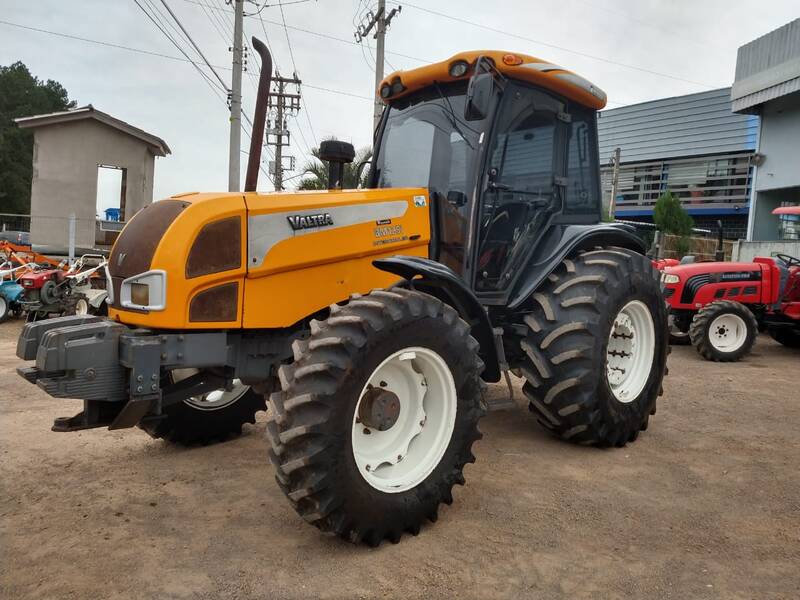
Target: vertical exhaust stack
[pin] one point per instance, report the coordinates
(259, 116)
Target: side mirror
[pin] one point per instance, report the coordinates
(479, 96)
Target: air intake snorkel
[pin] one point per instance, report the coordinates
(259, 116)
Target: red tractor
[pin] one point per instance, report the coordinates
(720, 306)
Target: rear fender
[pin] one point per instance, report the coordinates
(573, 238)
(443, 283)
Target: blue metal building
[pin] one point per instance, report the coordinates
(692, 145)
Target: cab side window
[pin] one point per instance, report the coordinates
(581, 194)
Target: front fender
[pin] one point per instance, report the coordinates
(572, 239)
(442, 282)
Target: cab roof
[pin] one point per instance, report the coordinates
(511, 64)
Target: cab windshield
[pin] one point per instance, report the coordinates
(427, 143)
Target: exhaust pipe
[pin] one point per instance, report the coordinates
(259, 116)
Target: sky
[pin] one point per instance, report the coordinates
(634, 50)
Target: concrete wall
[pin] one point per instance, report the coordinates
(747, 251)
(780, 144)
(65, 160)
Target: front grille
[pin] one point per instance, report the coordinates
(134, 249)
(669, 292)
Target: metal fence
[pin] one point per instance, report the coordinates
(15, 222)
(56, 234)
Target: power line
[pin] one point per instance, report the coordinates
(646, 23)
(340, 92)
(178, 58)
(562, 48)
(160, 28)
(294, 66)
(196, 47)
(156, 54)
(326, 36)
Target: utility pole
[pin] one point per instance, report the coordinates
(612, 205)
(235, 98)
(380, 21)
(282, 103)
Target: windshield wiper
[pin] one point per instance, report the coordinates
(453, 118)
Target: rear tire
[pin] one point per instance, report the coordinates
(189, 423)
(596, 349)
(788, 337)
(724, 331)
(319, 444)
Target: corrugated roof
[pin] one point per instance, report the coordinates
(679, 127)
(767, 68)
(158, 145)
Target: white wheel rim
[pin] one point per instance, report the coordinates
(630, 351)
(81, 307)
(2, 305)
(215, 399)
(402, 456)
(727, 333)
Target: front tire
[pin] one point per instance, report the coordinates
(724, 331)
(5, 309)
(596, 349)
(82, 306)
(365, 475)
(213, 417)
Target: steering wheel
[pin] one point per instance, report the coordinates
(790, 261)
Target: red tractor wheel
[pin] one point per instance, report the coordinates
(723, 331)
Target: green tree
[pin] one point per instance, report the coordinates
(356, 174)
(22, 95)
(670, 217)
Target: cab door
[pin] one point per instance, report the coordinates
(523, 185)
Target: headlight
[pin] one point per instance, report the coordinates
(140, 294)
(669, 278)
(459, 68)
(146, 291)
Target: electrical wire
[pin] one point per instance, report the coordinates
(196, 47)
(294, 66)
(167, 35)
(549, 45)
(326, 36)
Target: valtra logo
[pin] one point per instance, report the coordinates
(309, 221)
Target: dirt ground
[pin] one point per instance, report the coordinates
(706, 504)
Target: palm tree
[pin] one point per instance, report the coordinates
(315, 172)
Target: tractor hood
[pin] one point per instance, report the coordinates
(701, 268)
(258, 260)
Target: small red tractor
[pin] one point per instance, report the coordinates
(60, 291)
(720, 306)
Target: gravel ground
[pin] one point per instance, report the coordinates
(706, 504)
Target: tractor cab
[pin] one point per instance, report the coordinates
(506, 145)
